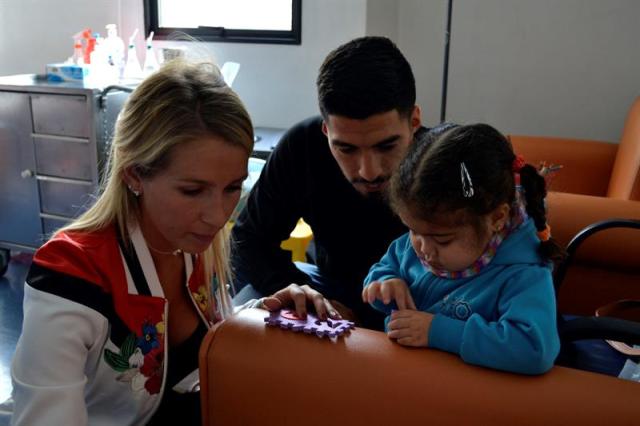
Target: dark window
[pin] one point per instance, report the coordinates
(244, 21)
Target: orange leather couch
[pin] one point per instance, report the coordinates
(590, 167)
(252, 374)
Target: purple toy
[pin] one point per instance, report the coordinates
(289, 320)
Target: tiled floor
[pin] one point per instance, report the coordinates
(11, 293)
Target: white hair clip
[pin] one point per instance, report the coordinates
(467, 185)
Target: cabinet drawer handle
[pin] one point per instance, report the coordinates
(26, 173)
(63, 180)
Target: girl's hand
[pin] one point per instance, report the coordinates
(410, 328)
(387, 291)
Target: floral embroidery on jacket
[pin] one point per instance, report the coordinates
(140, 359)
(149, 338)
(208, 305)
(201, 296)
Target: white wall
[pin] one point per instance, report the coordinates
(277, 82)
(34, 33)
(382, 18)
(417, 28)
(421, 27)
(548, 67)
(555, 67)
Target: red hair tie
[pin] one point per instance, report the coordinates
(518, 163)
(545, 234)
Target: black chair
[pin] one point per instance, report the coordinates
(583, 339)
(5, 257)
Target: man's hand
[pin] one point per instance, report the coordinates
(410, 328)
(299, 296)
(387, 291)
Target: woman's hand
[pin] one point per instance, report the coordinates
(299, 297)
(410, 328)
(387, 291)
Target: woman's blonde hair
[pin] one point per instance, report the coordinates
(177, 104)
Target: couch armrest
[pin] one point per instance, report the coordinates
(253, 374)
(587, 165)
(570, 213)
(606, 267)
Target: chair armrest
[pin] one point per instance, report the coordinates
(587, 165)
(253, 374)
(606, 267)
(568, 214)
(600, 328)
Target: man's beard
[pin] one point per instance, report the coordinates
(374, 196)
(380, 197)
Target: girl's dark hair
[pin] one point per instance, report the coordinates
(429, 185)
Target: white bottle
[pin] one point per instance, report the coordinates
(150, 60)
(101, 72)
(98, 62)
(132, 70)
(114, 48)
(78, 54)
(229, 72)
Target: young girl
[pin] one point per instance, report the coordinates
(473, 275)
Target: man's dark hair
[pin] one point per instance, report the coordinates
(366, 76)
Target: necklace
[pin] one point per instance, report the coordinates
(173, 252)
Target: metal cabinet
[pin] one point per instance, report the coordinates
(19, 214)
(54, 139)
(53, 142)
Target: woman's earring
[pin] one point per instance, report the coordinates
(136, 193)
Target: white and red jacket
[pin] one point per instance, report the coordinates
(94, 338)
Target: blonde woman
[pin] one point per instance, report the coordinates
(116, 303)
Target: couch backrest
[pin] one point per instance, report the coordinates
(586, 164)
(625, 179)
(256, 375)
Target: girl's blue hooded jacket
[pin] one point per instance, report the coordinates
(504, 317)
